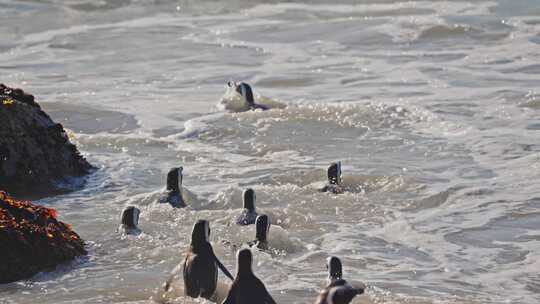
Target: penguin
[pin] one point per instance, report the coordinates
(200, 264)
(337, 290)
(334, 179)
(262, 226)
(249, 214)
(246, 287)
(130, 220)
(245, 90)
(173, 193)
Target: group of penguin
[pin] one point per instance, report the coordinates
(200, 265)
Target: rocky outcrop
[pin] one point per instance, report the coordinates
(36, 156)
(33, 240)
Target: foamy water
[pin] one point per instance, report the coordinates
(432, 107)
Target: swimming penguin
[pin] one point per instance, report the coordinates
(244, 89)
(334, 179)
(262, 226)
(247, 288)
(249, 214)
(337, 290)
(200, 265)
(173, 193)
(130, 220)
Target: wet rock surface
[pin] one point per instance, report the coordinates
(36, 157)
(33, 240)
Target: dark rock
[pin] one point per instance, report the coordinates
(33, 240)
(36, 157)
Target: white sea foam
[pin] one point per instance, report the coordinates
(431, 106)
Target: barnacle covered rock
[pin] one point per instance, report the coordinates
(33, 240)
(36, 157)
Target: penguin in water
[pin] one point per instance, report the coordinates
(200, 265)
(130, 220)
(262, 226)
(334, 179)
(337, 290)
(173, 193)
(249, 214)
(247, 288)
(246, 92)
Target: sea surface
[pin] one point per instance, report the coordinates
(433, 108)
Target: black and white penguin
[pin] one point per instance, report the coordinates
(244, 89)
(173, 193)
(262, 226)
(129, 220)
(337, 290)
(200, 265)
(334, 179)
(246, 287)
(249, 214)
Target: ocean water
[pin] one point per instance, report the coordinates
(431, 106)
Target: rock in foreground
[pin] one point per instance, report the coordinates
(36, 156)
(33, 240)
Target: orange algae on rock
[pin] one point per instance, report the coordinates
(32, 239)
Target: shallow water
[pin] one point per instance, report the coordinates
(432, 107)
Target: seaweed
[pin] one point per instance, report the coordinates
(33, 240)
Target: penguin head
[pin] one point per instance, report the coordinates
(262, 225)
(130, 217)
(333, 264)
(244, 89)
(249, 199)
(334, 173)
(244, 261)
(201, 233)
(174, 179)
